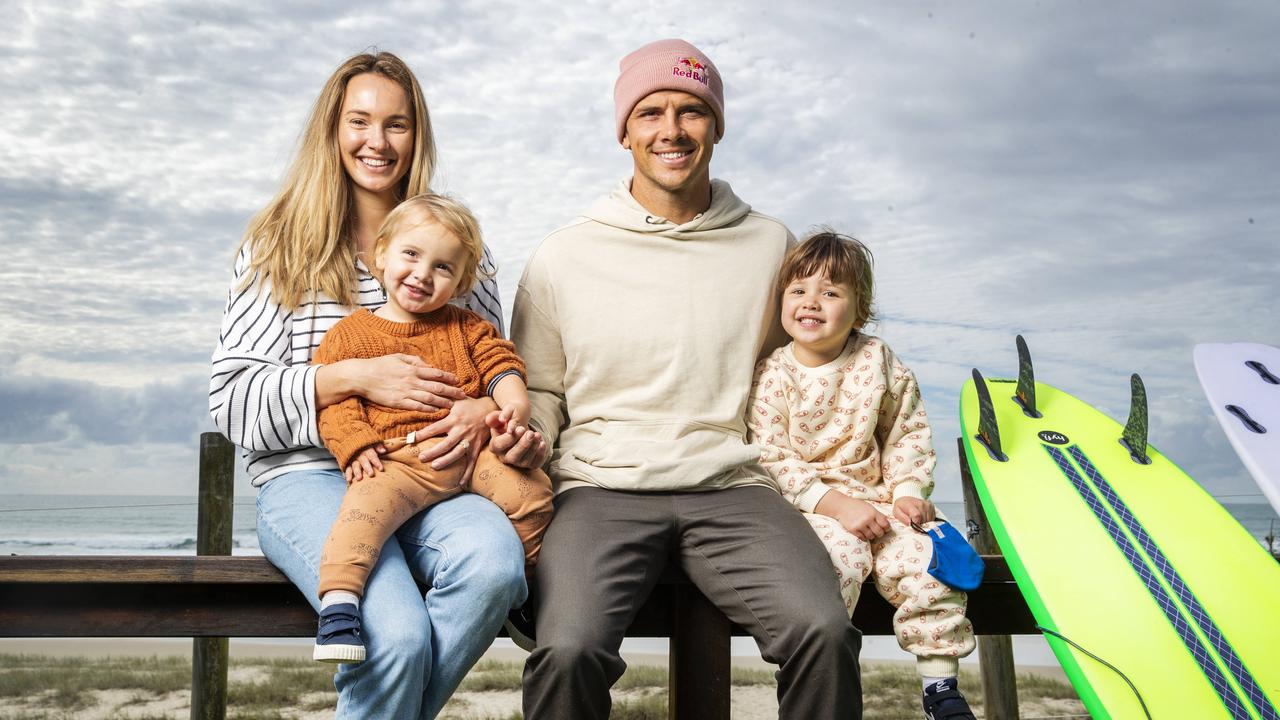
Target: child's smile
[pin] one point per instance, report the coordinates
(420, 271)
(818, 314)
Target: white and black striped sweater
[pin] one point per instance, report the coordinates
(262, 390)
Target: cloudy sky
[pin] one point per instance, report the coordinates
(1099, 177)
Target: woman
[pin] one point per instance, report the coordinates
(367, 146)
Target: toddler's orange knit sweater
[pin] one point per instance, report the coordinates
(450, 339)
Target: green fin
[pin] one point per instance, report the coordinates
(988, 432)
(1026, 393)
(1135, 431)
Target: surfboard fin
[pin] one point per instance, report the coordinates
(1243, 416)
(1266, 375)
(988, 432)
(1135, 431)
(1026, 393)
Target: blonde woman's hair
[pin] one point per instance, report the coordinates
(451, 214)
(301, 241)
(843, 259)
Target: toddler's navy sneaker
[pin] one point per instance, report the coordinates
(942, 701)
(338, 638)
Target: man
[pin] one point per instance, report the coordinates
(640, 323)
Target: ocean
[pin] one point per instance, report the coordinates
(112, 525)
(166, 524)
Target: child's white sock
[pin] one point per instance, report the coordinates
(334, 597)
(928, 680)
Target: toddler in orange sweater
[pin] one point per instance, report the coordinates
(428, 249)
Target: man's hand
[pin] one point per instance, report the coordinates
(365, 465)
(914, 511)
(513, 442)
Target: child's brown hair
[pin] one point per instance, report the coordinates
(842, 258)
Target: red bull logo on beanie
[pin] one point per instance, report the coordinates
(690, 67)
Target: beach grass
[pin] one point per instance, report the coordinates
(1045, 688)
(488, 675)
(38, 687)
(65, 683)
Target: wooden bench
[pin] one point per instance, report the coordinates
(212, 597)
(223, 596)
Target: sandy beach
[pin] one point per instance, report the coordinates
(889, 686)
(502, 650)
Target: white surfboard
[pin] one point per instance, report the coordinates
(1242, 382)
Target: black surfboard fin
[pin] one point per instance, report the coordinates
(988, 432)
(1266, 375)
(1135, 431)
(1249, 423)
(1026, 393)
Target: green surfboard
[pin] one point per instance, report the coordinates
(1123, 563)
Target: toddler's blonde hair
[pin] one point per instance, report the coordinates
(451, 214)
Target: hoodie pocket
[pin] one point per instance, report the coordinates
(665, 454)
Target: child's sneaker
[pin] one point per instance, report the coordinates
(338, 638)
(520, 625)
(942, 701)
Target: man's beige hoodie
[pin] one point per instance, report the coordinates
(640, 337)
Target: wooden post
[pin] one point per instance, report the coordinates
(995, 652)
(213, 537)
(700, 667)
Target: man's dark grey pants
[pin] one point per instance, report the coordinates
(748, 550)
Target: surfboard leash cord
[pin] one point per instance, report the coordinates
(1111, 667)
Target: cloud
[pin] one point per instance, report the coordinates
(67, 413)
(1102, 179)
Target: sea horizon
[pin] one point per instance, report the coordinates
(106, 524)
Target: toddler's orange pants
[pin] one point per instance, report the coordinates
(374, 508)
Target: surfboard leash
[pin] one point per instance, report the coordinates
(1111, 667)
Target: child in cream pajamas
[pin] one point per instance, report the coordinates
(843, 431)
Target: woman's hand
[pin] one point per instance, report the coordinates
(462, 434)
(513, 443)
(397, 381)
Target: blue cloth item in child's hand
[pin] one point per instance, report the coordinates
(954, 562)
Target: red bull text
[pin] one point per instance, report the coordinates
(692, 68)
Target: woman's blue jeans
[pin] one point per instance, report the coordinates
(419, 648)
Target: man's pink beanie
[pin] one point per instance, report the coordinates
(667, 65)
